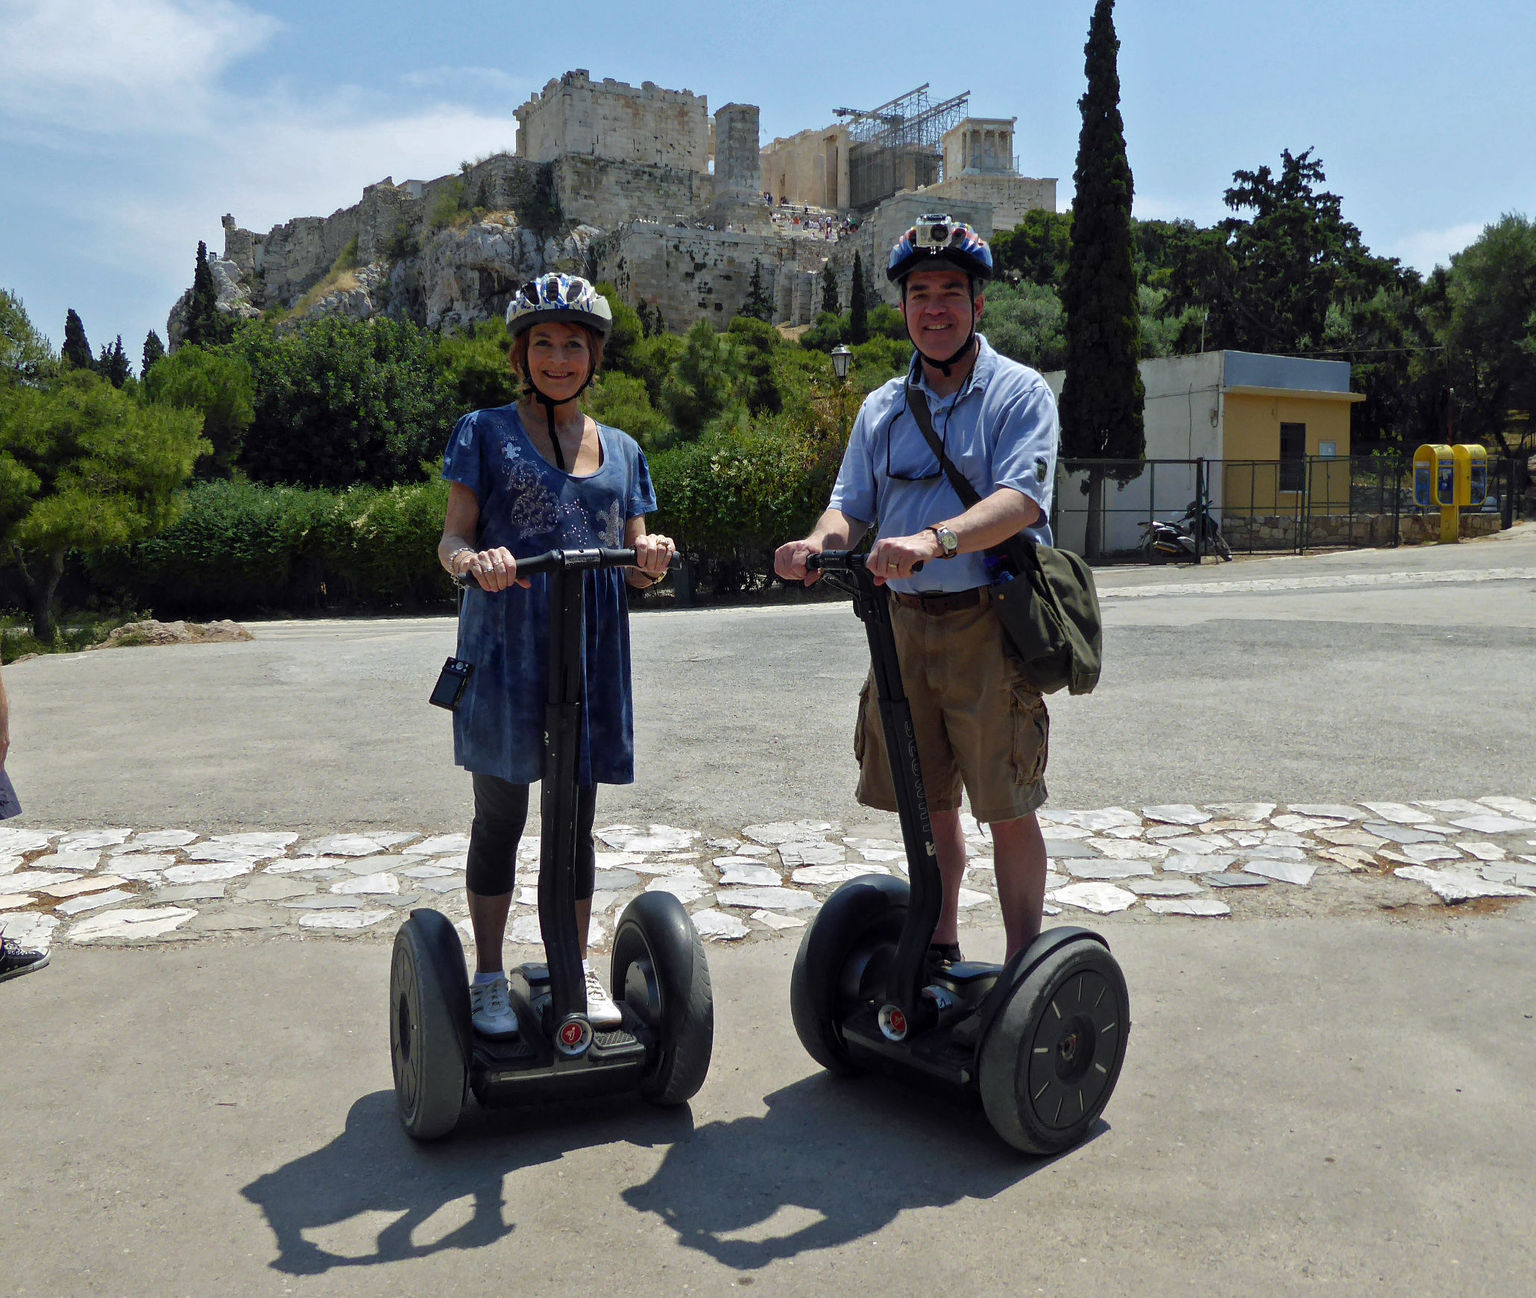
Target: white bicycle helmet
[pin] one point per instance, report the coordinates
(556, 297)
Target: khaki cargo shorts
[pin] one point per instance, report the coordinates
(976, 723)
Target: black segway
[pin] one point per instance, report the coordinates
(659, 975)
(1039, 1040)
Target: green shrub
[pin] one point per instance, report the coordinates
(243, 548)
(735, 495)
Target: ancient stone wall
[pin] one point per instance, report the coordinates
(887, 222)
(291, 258)
(691, 275)
(605, 194)
(1009, 196)
(613, 120)
(811, 167)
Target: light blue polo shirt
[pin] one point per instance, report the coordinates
(1000, 429)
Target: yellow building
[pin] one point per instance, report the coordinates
(1273, 431)
(1285, 433)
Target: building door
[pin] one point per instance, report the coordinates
(1293, 456)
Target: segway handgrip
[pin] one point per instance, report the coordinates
(843, 561)
(597, 557)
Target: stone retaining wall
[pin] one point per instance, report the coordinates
(1283, 531)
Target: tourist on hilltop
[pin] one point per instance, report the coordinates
(526, 478)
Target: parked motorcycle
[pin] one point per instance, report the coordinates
(1168, 542)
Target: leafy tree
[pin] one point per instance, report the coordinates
(829, 330)
(1285, 262)
(82, 466)
(205, 324)
(25, 356)
(758, 305)
(829, 289)
(756, 341)
(76, 351)
(698, 387)
(1026, 323)
(477, 367)
(1490, 333)
(154, 349)
(339, 402)
(1102, 394)
(112, 364)
(1036, 249)
(621, 401)
(858, 304)
(218, 386)
(628, 330)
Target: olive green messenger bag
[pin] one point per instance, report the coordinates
(1045, 598)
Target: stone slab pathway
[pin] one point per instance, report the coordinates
(134, 886)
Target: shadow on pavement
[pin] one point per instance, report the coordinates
(832, 1160)
(374, 1169)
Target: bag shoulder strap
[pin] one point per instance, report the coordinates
(1015, 547)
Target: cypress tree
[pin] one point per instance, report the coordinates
(1102, 395)
(113, 365)
(757, 306)
(858, 305)
(154, 349)
(829, 289)
(76, 350)
(204, 325)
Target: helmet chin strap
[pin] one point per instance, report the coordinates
(549, 404)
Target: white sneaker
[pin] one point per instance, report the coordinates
(601, 1011)
(491, 1009)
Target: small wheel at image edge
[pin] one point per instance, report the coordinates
(426, 1048)
(1051, 1059)
(660, 971)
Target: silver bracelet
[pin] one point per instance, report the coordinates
(463, 549)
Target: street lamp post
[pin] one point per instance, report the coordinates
(842, 355)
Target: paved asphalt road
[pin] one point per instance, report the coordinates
(1313, 1104)
(1412, 681)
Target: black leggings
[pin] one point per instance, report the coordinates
(501, 812)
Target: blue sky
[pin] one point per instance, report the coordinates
(128, 127)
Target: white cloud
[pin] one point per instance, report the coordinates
(1426, 249)
(84, 76)
(121, 67)
(299, 162)
(474, 82)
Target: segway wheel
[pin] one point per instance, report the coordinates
(848, 944)
(429, 1024)
(1052, 1056)
(660, 972)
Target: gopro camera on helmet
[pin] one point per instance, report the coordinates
(934, 230)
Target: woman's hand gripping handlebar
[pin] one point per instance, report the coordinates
(495, 570)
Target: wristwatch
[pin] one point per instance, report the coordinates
(949, 543)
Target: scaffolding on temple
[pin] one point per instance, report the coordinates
(897, 146)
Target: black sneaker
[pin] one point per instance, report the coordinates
(943, 954)
(14, 961)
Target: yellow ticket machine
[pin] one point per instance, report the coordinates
(1434, 484)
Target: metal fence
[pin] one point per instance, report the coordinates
(1267, 506)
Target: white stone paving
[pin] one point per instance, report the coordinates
(122, 885)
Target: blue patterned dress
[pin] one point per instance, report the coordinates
(529, 506)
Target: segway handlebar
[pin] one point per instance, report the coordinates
(597, 557)
(838, 561)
